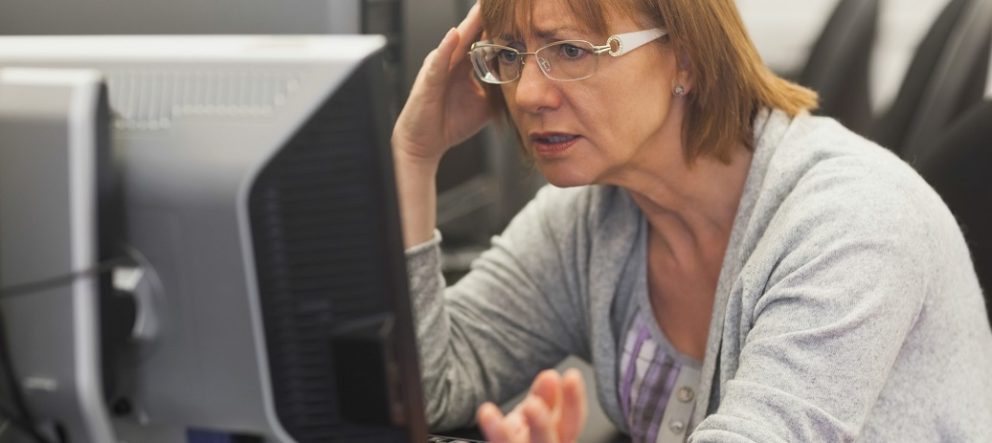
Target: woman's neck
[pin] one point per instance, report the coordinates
(689, 206)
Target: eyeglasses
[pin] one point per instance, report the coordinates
(566, 60)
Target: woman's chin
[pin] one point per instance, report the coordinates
(563, 178)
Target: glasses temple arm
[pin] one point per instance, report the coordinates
(632, 40)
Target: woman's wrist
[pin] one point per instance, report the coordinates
(415, 182)
(411, 161)
(414, 154)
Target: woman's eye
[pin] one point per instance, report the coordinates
(508, 56)
(572, 51)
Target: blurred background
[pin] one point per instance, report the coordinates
(913, 75)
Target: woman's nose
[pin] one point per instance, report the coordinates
(536, 92)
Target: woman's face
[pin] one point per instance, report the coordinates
(595, 130)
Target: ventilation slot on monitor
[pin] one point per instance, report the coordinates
(150, 100)
(320, 230)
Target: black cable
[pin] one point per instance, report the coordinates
(62, 280)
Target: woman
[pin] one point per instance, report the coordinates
(734, 268)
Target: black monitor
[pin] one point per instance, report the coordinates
(262, 250)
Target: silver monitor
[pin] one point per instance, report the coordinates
(262, 234)
(53, 207)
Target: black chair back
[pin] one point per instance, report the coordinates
(958, 83)
(890, 130)
(960, 170)
(838, 66)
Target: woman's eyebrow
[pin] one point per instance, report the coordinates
(556, 33)
(550, 34)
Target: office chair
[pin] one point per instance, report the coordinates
(959, 171)
(890, 130)
(958, 82)
(837, 67)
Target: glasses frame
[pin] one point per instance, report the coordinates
(616, 45)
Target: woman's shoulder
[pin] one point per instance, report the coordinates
(809, 144)
(848, 164)
(823, 181)
(819, 156)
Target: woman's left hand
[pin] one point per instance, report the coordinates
(553, 412)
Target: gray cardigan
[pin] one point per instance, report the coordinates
(847, 307)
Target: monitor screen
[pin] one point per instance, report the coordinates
(262, 238)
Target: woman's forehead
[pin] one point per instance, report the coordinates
(546, 18)
(551, 18)
(551, 30)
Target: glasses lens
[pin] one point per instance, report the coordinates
(496, 64)
(568, 60)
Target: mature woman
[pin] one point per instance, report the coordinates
(734, 268)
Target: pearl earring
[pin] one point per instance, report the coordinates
(679, 91)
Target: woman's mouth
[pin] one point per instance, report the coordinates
(551, 144)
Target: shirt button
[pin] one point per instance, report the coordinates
(685, 395)
(677, 426)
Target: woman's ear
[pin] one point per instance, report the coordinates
(684, 77)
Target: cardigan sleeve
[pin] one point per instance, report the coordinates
(515, 313)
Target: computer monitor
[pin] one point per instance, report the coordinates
(218, 17)
(263, 239)
(57, 225)
(481, 184)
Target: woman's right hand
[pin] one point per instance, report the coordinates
(446, 105)
(554, 411)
